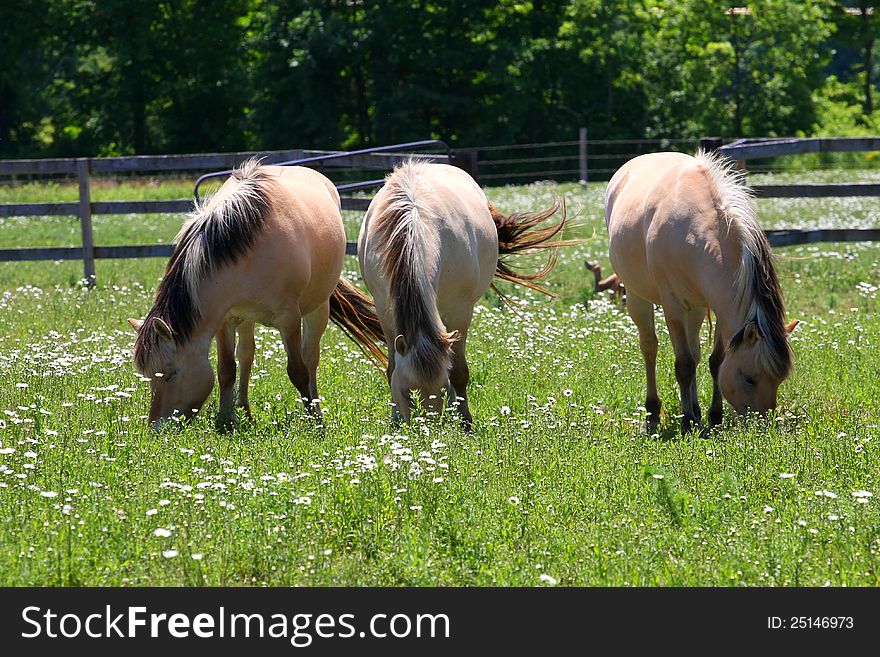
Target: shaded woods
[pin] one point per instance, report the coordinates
(145, 76)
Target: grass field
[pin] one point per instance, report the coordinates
(557, 485)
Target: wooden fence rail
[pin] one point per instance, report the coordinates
(468, 159)
(85, 208)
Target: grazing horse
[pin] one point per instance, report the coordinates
(683, 234)
(267, 248)
(428, 249)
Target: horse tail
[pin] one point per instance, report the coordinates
(518, 233)
(355, 313)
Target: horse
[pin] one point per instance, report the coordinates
(428, 249)
(683, 234)
(267, 248)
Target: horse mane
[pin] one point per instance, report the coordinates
(212, 237)
(400, 230)
(758, 293)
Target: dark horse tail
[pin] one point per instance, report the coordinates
(519, 232)
(355, 313)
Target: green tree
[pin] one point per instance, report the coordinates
(22, 74)
(858, 26)
(749, 71)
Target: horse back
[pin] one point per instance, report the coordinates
(300, 253)
(458, 241)
(665, 232)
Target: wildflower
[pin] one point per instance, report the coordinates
(513, 499)
(548, 579)
(169, 554)
(161, 532)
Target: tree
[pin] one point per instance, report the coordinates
(858, 26)
(737, 73)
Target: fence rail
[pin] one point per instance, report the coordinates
(742, 150)
(575, 160)
(382, 159)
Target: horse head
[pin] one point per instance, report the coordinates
(181, 376)
(754, 367)
(422, 369)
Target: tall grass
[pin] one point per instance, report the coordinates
(557, 479)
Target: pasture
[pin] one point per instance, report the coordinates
(558, 484)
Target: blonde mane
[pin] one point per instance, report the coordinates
(757, 294)
(212, 237)
(401, 228)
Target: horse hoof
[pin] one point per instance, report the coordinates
(226, 423)
(691, 424)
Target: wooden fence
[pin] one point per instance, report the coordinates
(478, 161)
(755, 149)
(85, 208)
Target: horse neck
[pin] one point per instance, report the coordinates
(214, 304)
(732, 312)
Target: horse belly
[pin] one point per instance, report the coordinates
(627, 250)
(465, 271)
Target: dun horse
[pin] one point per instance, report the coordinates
(428, 249)
(267, 248)
(683, 234)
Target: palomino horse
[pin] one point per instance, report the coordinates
(428, 250)
(683, 234)
(267, 248)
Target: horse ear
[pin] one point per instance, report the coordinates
(162, 329)
(791, 326)
(751, 333)
(400, 345)
(136, 324)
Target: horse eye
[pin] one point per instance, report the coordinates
(749, 379)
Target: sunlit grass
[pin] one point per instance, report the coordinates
(558, 483)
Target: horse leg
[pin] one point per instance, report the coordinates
(297, 372)
(642, 313)
(226, 376)
(693, 323)
(314, 326)
(716, 410)
(244, 351)
(459, 376)
(685, 364)
(396, 417)
(596, 270)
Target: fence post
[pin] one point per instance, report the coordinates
(467, 159)
(711, 143)
(83, 166)
(582, 154)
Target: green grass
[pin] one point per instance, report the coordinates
(558, 478)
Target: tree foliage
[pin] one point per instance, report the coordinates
(80, 77)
